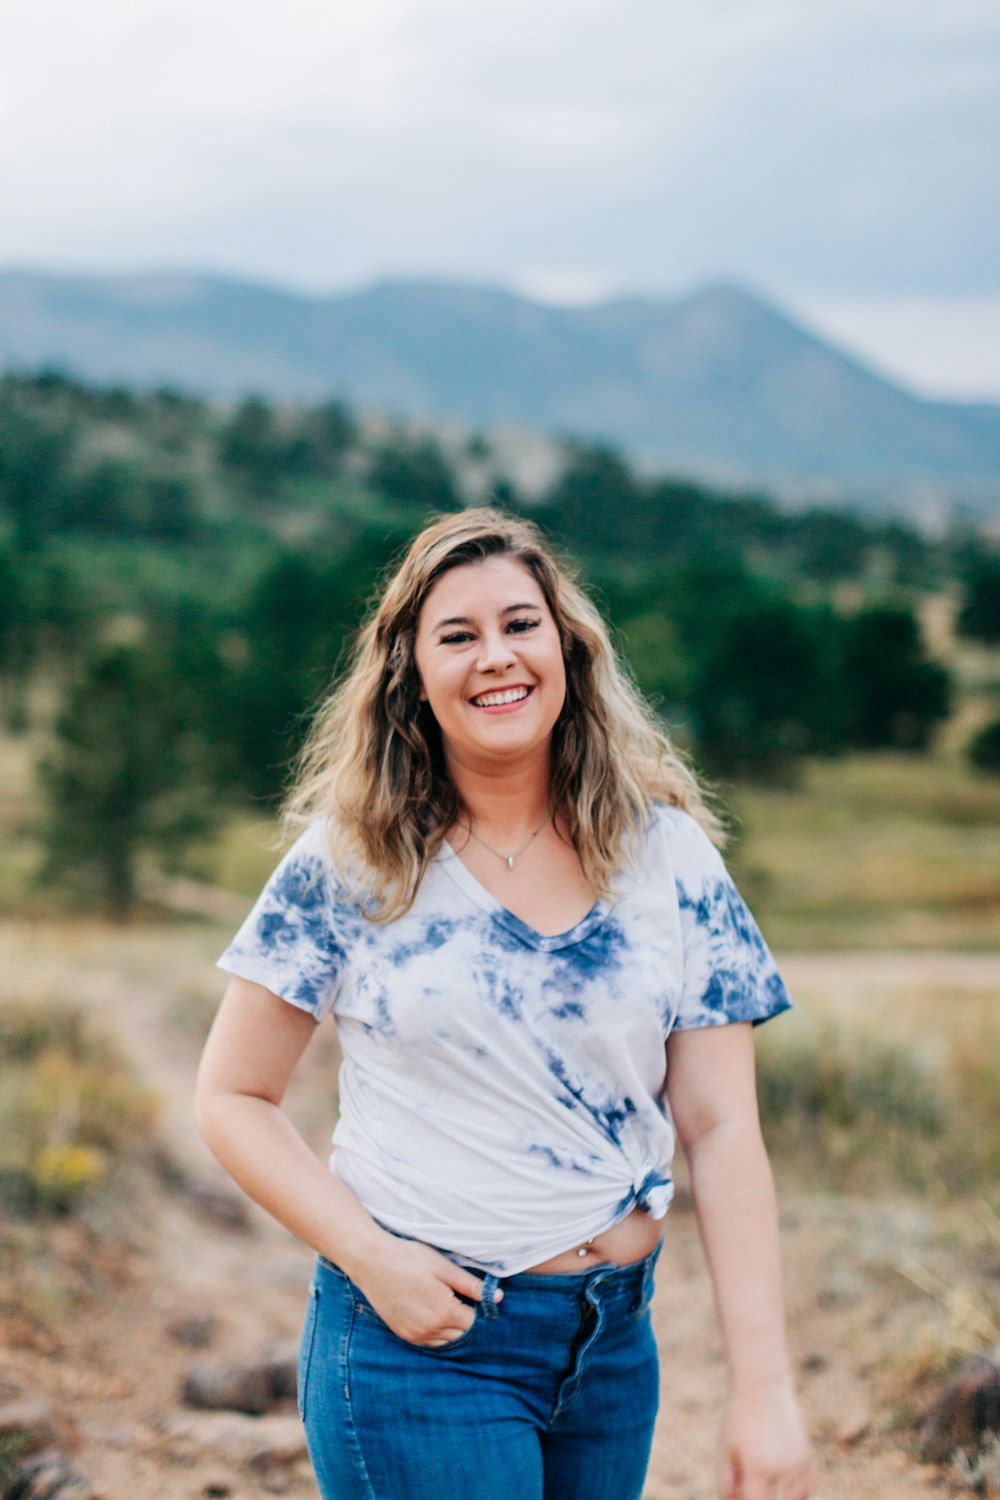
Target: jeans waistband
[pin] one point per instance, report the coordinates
(638, 1271)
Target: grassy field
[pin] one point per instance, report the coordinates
(875, 851)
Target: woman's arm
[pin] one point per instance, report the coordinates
(253, 1047)
(712, 1095)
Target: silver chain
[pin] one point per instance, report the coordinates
(509, 859)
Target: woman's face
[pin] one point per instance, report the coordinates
(490, 661)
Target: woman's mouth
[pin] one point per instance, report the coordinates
(502, 700)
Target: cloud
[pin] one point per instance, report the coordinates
(947, 347)
(844, 149)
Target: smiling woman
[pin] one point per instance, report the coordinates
(507, 895)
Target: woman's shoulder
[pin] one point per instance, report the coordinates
(307, 864)
(686, 839)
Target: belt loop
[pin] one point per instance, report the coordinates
(490, 1283)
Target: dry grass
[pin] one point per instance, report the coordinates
(888, 1077)
(881, 851)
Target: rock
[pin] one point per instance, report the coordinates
(255, 1387)
(963, 1412)
(197, 1330)
(32, 1423)
(281, 1361)
(49, 1477)
(257, 1443)
(853, 1428)
(217, 1486)
(245, 1388)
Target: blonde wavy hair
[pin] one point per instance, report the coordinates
(373, 762)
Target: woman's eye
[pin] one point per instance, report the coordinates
(522, 625)
(456, 639)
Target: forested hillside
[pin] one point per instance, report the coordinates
(178, 581)
(717, 382)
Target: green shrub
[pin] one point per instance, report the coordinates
(983, 750)
(71, 1110)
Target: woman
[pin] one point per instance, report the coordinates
(506, 896)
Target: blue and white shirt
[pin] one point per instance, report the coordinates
(501, 1091)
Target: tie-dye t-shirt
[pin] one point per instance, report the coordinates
(501, 1091)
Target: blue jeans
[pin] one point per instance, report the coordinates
(550, 1395)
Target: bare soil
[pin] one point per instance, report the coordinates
(86, 1315)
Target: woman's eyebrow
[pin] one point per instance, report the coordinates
(464, 619)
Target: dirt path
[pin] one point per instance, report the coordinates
(101, 1349)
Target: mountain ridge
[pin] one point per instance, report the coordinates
(720, 381)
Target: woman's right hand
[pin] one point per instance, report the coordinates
(414, 1288)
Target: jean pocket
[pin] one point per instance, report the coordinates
(368, 1313)
(306, 1349)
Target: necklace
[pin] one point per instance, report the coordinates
(509, 859)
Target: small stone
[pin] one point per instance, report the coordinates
(853, 1428)
(962, 1412)
(255, 1387)
(256, 1442)
(197, 1331)
(281, 1361)
(217, 1486)
(243, 1388)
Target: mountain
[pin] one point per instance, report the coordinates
(718, 383)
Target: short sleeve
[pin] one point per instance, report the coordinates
(288, 943)
(729, 973)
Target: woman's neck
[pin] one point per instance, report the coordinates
(509, 800)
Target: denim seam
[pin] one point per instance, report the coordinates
(350, 1431)
(306, 1353)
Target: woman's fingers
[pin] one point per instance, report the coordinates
(466, 1283)
(762, 1484)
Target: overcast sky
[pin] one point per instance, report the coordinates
(842, 156)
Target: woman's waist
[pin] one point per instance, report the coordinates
(632, 1239)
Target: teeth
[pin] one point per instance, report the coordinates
(490, 700)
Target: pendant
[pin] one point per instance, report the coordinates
(510, 861)
(582, 1251)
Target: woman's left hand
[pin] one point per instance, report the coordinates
(765, 1447)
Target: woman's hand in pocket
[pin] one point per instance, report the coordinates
(417, 1292)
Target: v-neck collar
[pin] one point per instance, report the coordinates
(546, 942)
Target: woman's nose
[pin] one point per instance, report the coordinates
(495, 653)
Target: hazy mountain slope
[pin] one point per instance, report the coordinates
(718, 381)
